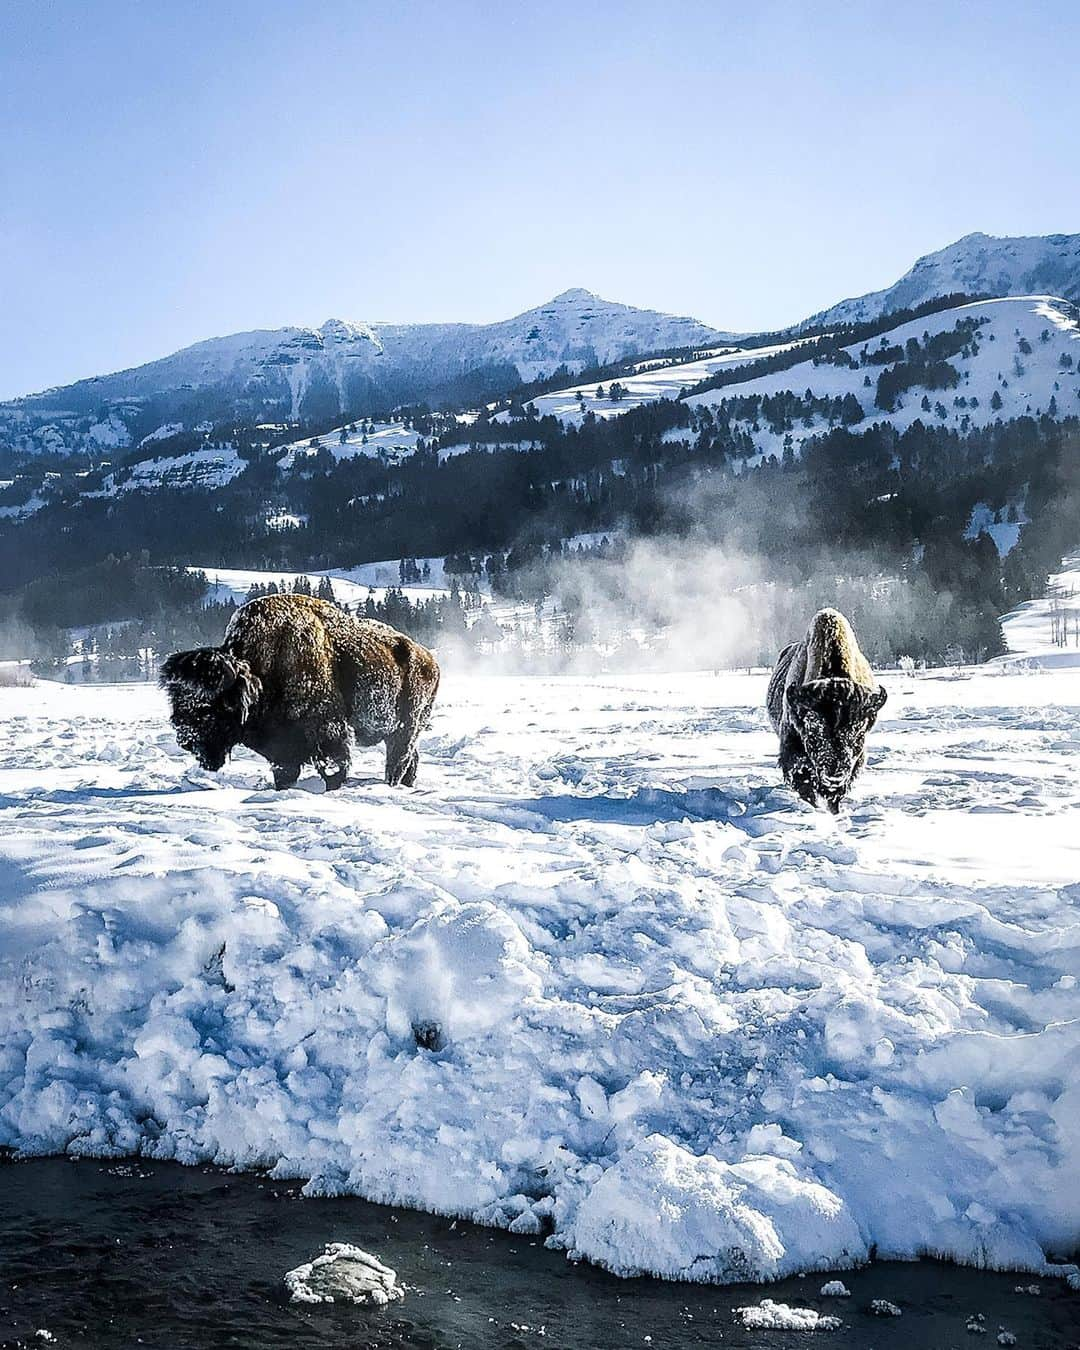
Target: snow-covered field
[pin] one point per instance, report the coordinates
(598, 976)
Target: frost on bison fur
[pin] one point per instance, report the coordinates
(293, 677)
(822, 701)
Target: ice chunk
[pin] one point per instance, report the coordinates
(770, 1316)
(343, 1274)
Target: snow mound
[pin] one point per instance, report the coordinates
(343, 1274)
(770, 1316)
(834, 1289)
(462, 972)
(661, 1210)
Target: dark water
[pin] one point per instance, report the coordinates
(107, 1255)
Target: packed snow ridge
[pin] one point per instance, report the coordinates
(597, 978)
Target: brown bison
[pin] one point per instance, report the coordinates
(822, 701)
(293, 677)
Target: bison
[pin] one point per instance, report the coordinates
(293, 677)
(822, 701)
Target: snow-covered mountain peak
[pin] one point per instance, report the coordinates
(341, 330)
(578, 329)
(977, 264)
(576, 295)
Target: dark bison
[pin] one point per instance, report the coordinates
(293, 677)
(822, 701)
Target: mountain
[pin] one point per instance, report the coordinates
(340, 367)
(978, 264)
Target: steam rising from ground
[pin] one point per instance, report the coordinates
(665, 603)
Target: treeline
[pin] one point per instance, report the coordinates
(97, 635)
(131, 650)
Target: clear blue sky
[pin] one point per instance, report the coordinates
(177, 169)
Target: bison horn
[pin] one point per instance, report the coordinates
(245, 688)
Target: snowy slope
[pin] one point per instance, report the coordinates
(1024, 382)
(212, 466)
(387, 440)
(672, 1016)
(338, 367)
(1004, 532)
(978, 264)
(1046, 632)
(654, 382)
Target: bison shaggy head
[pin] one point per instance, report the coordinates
(832, 717)
(211, 695)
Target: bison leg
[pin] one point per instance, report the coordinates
(792, 757)
(332, 764)
(795, 766)
(401, 758)
(332, 754)
(414, 706)
(408, 778)
(285, 775)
